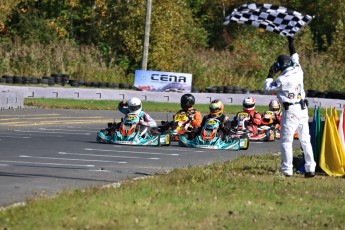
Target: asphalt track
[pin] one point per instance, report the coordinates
(46, 151)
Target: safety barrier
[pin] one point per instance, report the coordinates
(117, 94)
(11, 100)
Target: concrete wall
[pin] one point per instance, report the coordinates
(11, 99)
(20, 92)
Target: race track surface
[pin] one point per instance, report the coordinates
(46, 151)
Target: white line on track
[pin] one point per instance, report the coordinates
(168, 149)
(71, 159)
(98, 155)
(34, 131)
(68, 129)
(41, 163)
(4, 165)
(124, 151)
(15, 137)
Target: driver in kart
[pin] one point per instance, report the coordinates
(134, 105)
(255, 117)
(194, 116)
(187, 102)
(275, 107)
(216, 108)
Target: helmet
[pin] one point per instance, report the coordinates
(283, 61)
(187, 101)
(134, 105)
(274, 106)
(248, 104)
(216, 108)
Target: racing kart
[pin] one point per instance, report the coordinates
(130, 132)
(268, 120)
(181, 125)
(212, 138)
(241, 128)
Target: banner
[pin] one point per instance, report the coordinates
(158, 81)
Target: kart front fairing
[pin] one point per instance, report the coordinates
(133, 139)
(130, 133)
(215, 143)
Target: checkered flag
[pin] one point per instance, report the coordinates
(272, 18)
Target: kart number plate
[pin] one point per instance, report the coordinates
(269, 113)
(131, 117)
(242, 115)
(180, 117)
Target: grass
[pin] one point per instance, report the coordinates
(245, 193)
(148, 106)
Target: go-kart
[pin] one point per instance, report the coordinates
(268, 120)
(242, 127)
(130, 132)
(212, 138)
(181, 125)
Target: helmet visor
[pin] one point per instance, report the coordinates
(215, 110)
(248, 106)
(134, 108)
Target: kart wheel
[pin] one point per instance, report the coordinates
(271, 135)
(268, 135)
(245, 141)
(102, 136)
(167, 139)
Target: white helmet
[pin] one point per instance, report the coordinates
(134, 105)
(248, 104)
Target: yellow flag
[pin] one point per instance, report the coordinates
(330, 160)
(336, 115)
(337, 138)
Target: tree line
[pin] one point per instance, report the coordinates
(102, 40)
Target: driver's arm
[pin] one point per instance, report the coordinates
(196, 122)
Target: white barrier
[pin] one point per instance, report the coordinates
(11, 99)
(115, 94)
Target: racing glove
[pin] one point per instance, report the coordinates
(191, 117)
(272, 71)
(142, 122)
(123, 104)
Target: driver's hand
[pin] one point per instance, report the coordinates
(142, 122)
(123, 104)
(191, 117)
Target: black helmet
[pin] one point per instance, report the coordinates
(187, 101)
(283, 61)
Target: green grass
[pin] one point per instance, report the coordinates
(148, 106)
(245, 193)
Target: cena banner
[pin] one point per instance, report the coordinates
(158, 81)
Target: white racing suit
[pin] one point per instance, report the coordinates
(146, 124)
(290, 92)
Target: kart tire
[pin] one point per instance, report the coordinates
(247, 146)
(270, 135)
(159, 142)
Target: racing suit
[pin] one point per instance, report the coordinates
(195, 118)
(224, 127)
(145, 118)
(254, 122)
(194, 115)
(290, 93)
